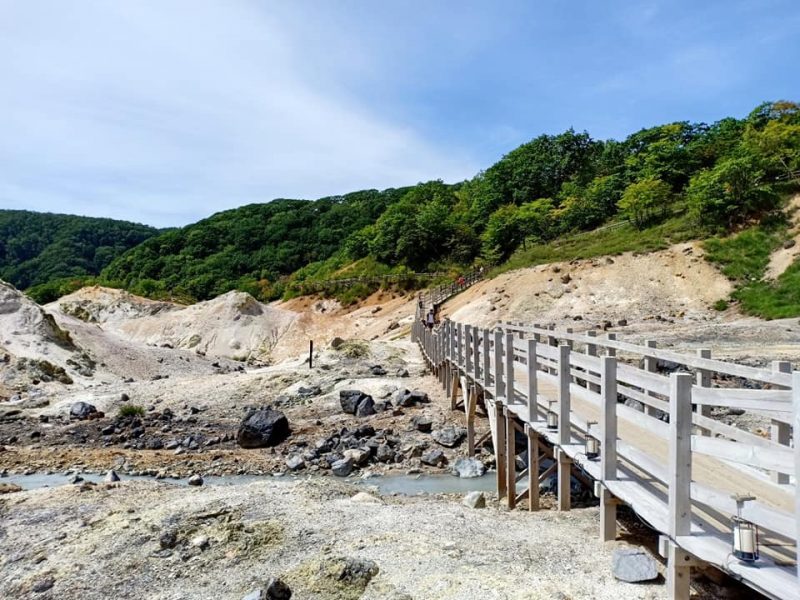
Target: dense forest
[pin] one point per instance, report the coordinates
(720, 177)
(39, 248)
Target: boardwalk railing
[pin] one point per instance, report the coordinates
(328, 285)
(661, 452)
(432, 298)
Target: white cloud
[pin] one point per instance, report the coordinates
(167, 112)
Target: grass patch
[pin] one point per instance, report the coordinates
(131, 410)
(354, 349)
(721, 305)
(744, 258)
(619, 237)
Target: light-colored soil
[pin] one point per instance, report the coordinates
(104, 542)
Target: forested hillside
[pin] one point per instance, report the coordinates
(709, 178)
(717, 175)
(37, 248)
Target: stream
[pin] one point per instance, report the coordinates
(404, 485)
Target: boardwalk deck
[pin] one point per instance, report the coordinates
(679, 476)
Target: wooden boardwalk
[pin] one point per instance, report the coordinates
(664, 456)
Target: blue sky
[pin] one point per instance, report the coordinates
(166, 111)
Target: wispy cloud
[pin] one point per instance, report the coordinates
(166, 112)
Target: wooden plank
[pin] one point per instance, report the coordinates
(774, 459)
(564, 480)
(467, 348)
(680, 454)
(651, 366)
(715, 366)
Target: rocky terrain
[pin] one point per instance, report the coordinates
(104, 381)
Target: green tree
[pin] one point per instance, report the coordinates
(729, 193)
(645, 200)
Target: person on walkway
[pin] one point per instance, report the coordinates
(429, 319)
(461, 281)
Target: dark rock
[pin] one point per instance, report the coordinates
(81, 410)
(377, 370)
(363, 431)
(423, 423)
(366, 407)
(789, 244)
(108, 429)
(401, 372)
(350, 399)
(112, 476)
(154, 444)
(308, 392)
(434, 458)
(75, 479)
(263, 427)
(168, 539)
(633, 565)
(43, 585)
(450, 436)
(195, 480)
(277, 590)
(622, 322)
(336, 342)
(385, 454)
(342, 467)
(124, 397)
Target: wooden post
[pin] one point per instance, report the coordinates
(608, 447)
(611, 351)
(467, 349)
(487, 357)
(704, 380)
(511, 459)
(533, 468)
(310, 354)
(563, 395)
(459, 346)
(509, 365)
(500, 447)
(564, 479)
(476, 355)
(591, 350)
(679, 481)
(796, 428)
(569, 342)
(532, 384)
(651, 366)
(499, 389)
(779, 431)
(448, 353)
(680, 454)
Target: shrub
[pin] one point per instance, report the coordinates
(721, 305)
(131, 410)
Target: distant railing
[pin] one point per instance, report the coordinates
(330, 285)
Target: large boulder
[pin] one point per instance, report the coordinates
(81, 411)
(407, 398)
(434, 458)
(262, 428)
(449, 436)
(633, 565)
(475, 500)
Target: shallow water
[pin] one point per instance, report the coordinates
(406, 485)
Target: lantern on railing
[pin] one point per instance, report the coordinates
(592, 443)
(552, 417)
(745, 533)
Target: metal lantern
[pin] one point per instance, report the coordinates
(592, 447)
(592, 443)
(552, 417)
(745, 533)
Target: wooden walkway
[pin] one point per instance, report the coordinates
(679, 476)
